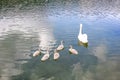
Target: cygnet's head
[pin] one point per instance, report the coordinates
(70, 46)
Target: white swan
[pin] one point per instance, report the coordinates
(61, 46)
(46, 56)
(73, 51)
(82, 37)
(56, 55)
(36, 53)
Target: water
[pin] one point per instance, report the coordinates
(24, 27)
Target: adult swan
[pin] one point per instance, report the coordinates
(82, 37)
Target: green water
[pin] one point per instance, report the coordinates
(28, 25)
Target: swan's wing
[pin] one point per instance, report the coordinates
(45, 57)
(56, 55)
(36, 53)
(73, 51)
(60, 47)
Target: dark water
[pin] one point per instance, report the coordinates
(26, 26)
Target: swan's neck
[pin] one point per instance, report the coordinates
(39, 49)
(70, 46)
(80, 29)
(55, 50)
(61, 42)
(47, 52)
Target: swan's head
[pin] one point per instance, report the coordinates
(39, 49)
(70, 46)
(80, 25)
(48, 49)
(62, 42)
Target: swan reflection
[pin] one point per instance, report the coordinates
(82, 44)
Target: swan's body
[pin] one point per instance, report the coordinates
(56, 55)
(46, 56)
(73, 51)
(36, 53)
(82, 37)
(60, 47)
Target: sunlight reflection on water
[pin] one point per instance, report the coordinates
(24, 31)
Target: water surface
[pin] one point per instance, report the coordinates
(25, 27)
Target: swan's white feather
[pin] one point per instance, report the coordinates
(82, 37)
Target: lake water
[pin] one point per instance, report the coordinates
(25, 28)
